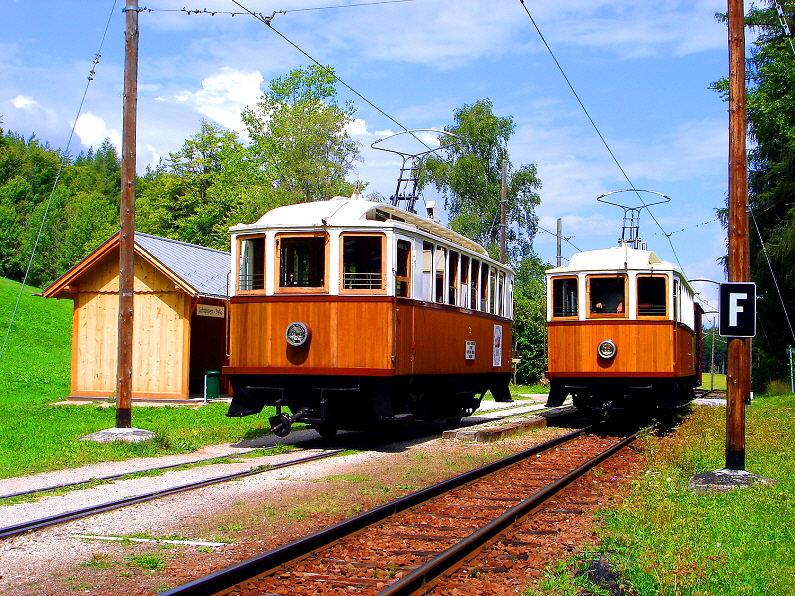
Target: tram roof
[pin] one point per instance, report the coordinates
(351, 211)
(615, 259)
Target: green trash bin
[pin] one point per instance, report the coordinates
(212, 385)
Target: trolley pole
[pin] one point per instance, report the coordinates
(559, 237)
(503, 208)
(739, 373)
(127, 219)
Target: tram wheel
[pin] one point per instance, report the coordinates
(281, 425)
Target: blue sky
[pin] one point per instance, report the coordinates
(641, 68)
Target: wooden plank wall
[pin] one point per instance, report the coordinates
(160, 338)
(345, 333)
(641, 348)
(350, 334)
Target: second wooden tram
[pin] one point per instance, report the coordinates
(349, 313)
(624, 331)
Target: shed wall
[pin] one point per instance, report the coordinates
(161, 333)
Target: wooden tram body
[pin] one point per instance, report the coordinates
(624, 331)
(349, 312)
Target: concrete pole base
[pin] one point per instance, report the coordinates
(128, 435)
(725, 480)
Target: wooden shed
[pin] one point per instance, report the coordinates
(180, 310)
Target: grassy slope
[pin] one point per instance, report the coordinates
(34, 373)
(35, 364)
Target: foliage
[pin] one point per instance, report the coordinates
(211, 183)
(83, 212)
(530, 315)
(298, 130)
(470, 176)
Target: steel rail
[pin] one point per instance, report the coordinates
(192, 462)
(245, 570)
(67, 516)
(431, 570)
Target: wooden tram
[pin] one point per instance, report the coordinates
(350, 313)
(624, 331)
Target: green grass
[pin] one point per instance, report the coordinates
(665, 540)
(35, 364)
(718, 383)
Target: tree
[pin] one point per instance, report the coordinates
(202, 189)
(298, 132)
(469, 174)
(530, 319)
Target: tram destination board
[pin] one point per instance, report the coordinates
(737, 309)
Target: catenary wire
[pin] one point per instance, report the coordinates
(267, 21)
(784, 25)
(259, 14)
(64, 159)
(596, 128)
(564, 238)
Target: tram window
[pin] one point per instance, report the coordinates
(501, 294)
(452, 278)
(651, 296)
(251, 275)
(473, 292)
(302, 261)
(441, 254)
(484, 287)
(403, 269)
(564, 297)
(464, 300)
(492, 290)
(362, 262)
(607, 295)
(427, 272)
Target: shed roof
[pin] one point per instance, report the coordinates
(198, 270)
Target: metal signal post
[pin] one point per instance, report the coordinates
(739, 373)
(127, 219)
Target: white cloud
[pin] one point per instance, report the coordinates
(24, 102)
(224, 96)
(155, 155)
(92, 130)
(357, 127)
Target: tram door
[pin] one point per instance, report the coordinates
(404, 309)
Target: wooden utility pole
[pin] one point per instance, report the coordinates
(739, 373)
(503, 208)
(127, 219)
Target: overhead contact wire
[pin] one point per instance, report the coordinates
(267, 21)
(64, 158)
(598, 132)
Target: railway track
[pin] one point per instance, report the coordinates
(409, 545)
(46, 522)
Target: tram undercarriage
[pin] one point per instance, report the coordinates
(612, 395)
(331, 403)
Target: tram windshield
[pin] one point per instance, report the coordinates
(302, 261)
(651, 296)
(362, 262)
(564, 297)
(608, 295)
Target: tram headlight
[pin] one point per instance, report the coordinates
(606, 349)
(297, 333)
